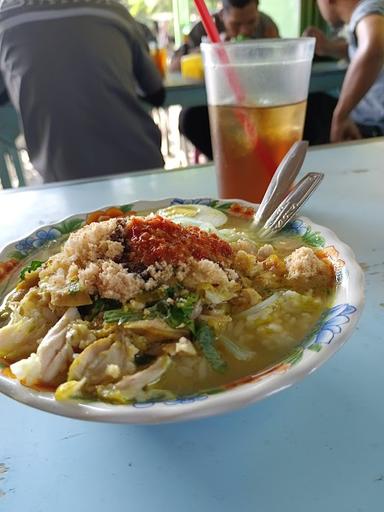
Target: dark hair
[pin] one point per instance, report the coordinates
(238, 4)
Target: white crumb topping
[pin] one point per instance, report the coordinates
(304, 263)
(206, 272)
(89, 277)
(159, 273)
(116, 283)
(305, 269)
(92, 243)
(181, 271)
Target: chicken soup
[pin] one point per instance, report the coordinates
(161, 305)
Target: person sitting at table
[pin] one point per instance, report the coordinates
(74, 71)
(359, 110)
(149, 36)
(238, 19)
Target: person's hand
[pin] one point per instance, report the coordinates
(322, 41)
(343, 128)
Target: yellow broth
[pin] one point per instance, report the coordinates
(191, 376)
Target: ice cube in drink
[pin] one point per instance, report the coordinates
(245, 164)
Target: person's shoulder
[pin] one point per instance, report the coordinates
(363, 9)
(198, 31)
(196, 34)
(58, 8)
(265, 17)
(146, 32)
(267, 24)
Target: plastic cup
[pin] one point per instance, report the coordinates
(192, 66)
(257, 99)
(159, 57)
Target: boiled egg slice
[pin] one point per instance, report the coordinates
(187, 221)
(194, 215)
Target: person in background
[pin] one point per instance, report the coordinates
(238, 19)
(359, 110)
(74, 71)
(149, 36)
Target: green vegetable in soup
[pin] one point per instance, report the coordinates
(178, 312)
(98, 305)
(34, 265)
(121, 316)
(205, 340)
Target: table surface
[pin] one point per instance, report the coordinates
(316, 447)
(325, 77)
(175, 80)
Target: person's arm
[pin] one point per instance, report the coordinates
(175, 64)
(361, 75)
(147, 76)
(336, 48)
(156, 98)
(192, 45)
(148, 79)
(4, 98)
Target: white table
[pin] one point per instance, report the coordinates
(316, 447)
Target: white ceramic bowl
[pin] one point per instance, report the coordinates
(331, 333)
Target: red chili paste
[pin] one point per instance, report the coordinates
(159, 239)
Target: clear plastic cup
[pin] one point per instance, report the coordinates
(257, 95)
(159, 57)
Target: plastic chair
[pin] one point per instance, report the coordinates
(9, 154)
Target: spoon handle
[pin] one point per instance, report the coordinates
(282, 180)
(294, 200)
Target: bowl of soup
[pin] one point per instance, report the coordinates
(170, 310)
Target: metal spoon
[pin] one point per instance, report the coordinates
(281, 182)
(291, 204)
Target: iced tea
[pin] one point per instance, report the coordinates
(244, 164)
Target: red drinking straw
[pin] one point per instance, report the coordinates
(249, 126)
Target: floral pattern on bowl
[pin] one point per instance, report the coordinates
(332, 330)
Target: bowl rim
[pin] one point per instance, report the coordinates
(262, 385)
